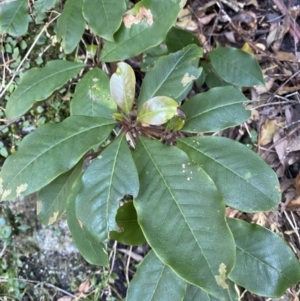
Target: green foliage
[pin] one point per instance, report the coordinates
(145, 168)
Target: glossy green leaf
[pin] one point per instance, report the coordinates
(92, 251)
(38, 84)
(215, 110)
(122, 87)
(194, 293)
(129, 232)
(151, 56)
(153, 19)
(245, 180)
(109, 177)
(50, 151)
(92, 96)
(173, 75)
(158, 110)
(14, 17)
(179, 38)
(52, 199)
(182, 215)
(155, 281)
(70, 25)
(265, 264)
(104, 17)
(212, 79)
(236, 66)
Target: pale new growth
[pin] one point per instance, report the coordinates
(221, 278)
(21, 189)
(187, 79)
(143, 13)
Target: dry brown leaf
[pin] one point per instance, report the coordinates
(294, 204)
(206, 19)
(294, 144)
(84, 286)
(285, 90)
(185, 20)
(267, 132)
(280, 147)
(285, 56)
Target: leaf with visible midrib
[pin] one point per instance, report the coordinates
(109, 177)
(172, 75)
(92, 96)
(182, 215)
(38, 84)
(104, 17)
(245, 180)
(70, 25)
(154, 280)
(14, 17)
(50, 151)
(236, 66)
(215, 110)
(130, 42)
(265, 264)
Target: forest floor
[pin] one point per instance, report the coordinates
(49, 263)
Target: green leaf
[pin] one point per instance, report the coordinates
(92, 96)
(50, 151)
(154, 280)
(40, 6)
(52, 199)
(236, 66)
(105, 182)
(14, 17)
(151, 55)
(104, 17)
(93, 252)
(38, 84)
(172, 75)
(122, 87)
(71, 25)
(215, 110)
(265, 264)
(182, 215)
(148, 31)
(245, 180)
(211, 77)
(158, 110)
(194, 293)
(129, 232)
(179, 38)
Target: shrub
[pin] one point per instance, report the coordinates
(156, 175)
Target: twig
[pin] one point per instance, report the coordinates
(127, 265)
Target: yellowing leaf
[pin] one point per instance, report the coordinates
(267, 132)
(122, 87)
(158, 110)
